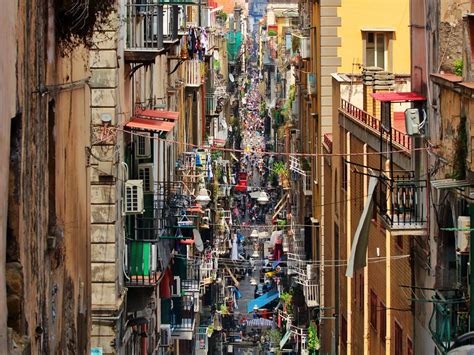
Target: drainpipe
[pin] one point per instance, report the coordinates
(471, 271)
(159, 32)
(174, 21)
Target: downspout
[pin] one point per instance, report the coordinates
(388, 268)
(348, 242)
(366, 268)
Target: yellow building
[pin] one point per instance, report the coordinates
(374, 33)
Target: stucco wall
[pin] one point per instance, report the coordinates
(382, 14)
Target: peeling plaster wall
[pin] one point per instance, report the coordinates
(8, 103)
(47, 259)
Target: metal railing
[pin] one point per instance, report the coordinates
(374, 123)
(182, 315)
(407, 195)
(142, 26)
(143, 266)
(447, 321)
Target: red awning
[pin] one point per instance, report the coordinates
(397, 96)
(150, 125)
(186, 241)
(157, 114)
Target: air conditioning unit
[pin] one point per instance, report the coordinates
(143, 145)
(133, 198)
(462, 236)
(165, 335)
(412, 121)
(145, 173)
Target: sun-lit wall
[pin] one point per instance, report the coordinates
(387, 16)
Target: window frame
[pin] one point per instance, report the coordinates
(388, 35)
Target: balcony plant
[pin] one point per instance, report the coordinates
(313, 339)
(281, 170)
(221, 18)
(287, 298)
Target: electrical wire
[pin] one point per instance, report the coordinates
(263, 153)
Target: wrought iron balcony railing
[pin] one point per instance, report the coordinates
(406, 196)
(449, 319)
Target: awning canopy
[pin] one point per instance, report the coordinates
(357, 259)
(397, 96)
(157, 114)
(450, 184)
(150, 124)
(263, 300)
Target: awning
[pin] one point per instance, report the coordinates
(450, 184)
(285, 338)
(157, 114)
(357, 259)
(150, 124)
(263, 300)
(397, 96)
(198, 240)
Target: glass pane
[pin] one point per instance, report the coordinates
(381, 50)
(370, 56)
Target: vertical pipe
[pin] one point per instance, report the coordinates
(388, 267)
(471, 275)
(159, 33)
(366, 268)
(174, 21)
(348, 242)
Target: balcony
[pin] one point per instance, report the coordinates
(142, 265)
(192, 73)
(144, 36)
(373, 124)
(405, 211)
(449, 319)
(307, 275)
(182, 317)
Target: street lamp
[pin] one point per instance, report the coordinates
(263, 198)
(203, 197)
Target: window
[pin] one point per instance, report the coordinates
(398, 339)
(409, 347)
(383, 321)
(343, 331)
(373, 310)
(376, 49)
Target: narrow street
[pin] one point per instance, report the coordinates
(224, 177)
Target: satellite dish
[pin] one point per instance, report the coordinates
(231, 77)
